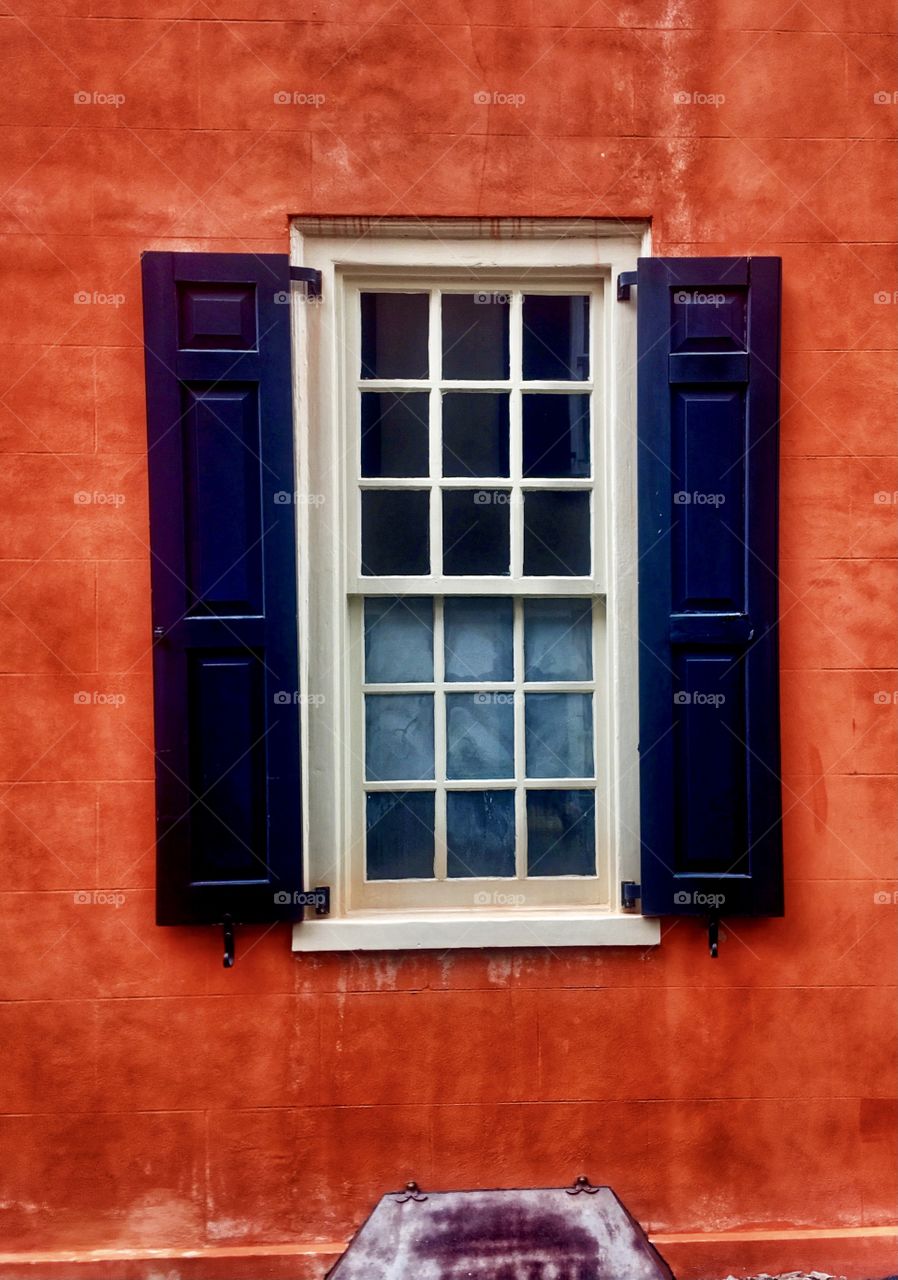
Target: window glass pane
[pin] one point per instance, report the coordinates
(475, 335)
(394, 335)
(556, 337)
(478, 638)
(395, 434)
(395, 531)
(561, 833)
(558, 734)
(480, 833)
(555, 435)
(475, 433)
(398, 639)
(399, 843)
(479, 735)
(476, 531)
(556, 534)
(557, 640)
(398, 736)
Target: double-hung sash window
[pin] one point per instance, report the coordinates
(456, 485)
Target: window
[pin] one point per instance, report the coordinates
(455, 581)
(466, 477)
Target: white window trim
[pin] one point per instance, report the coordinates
(354, 247)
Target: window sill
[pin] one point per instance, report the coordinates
(440, 931)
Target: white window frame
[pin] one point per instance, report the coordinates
(353, 252)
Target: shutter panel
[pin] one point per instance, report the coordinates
(217, 333)
(708, 397)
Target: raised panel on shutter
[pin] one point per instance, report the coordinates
(708, 406)
(220, 439)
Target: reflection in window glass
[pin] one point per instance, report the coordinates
(399, 843)
(398, 639)
(394, 335)
(475, 433)
(475, 335)
(558, 639)
(561, 835)
(558, 728)
(556, 534)
(398, 737)
(395, 532)
(479, 735)
(476, 534)
(555, 435)
(556, 337)
(395, 434)
(478, 638)
(480, 833)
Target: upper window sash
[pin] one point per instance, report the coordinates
(352, 385)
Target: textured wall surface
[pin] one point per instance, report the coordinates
(152, 1099)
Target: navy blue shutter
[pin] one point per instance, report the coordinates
(220, 438)
(708, 407)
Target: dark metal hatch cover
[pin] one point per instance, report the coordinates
(552, 1233)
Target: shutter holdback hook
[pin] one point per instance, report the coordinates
(713, 935)
(227, 925)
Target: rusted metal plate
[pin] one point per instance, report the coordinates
(537, 1234)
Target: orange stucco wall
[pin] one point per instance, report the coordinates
(153, 1100)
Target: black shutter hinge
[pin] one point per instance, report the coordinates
(625, 282)
(630, 893)
(310, 277)
(319, 898)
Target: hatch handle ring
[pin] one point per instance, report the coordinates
(411, 1191)
(582, 1184)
